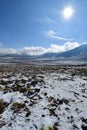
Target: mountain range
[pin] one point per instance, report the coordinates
(77, 54)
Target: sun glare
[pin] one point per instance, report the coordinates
(68, 13)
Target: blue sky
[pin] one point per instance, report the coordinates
(40, 23)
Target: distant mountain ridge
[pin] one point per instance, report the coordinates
(76, 53)
(79, 53)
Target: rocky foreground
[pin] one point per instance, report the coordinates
(34, 97)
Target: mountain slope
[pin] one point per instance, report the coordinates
(80, 51)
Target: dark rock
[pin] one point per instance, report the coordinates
(43, 115)
(23, 81)
(34, 83)
(76, 93)
(17, 107)
(67, 109)
(35, 126)
(9, 82)
(66, 101)
(2, 124)
(73, 74)
(84, 96)
(26, 101)
(53, 104)
(56, 124)
(45, 94)
(3, 105)
(10, 124)
(15, 88)
(45, 86)
(23, 90)
(52, 112)
(2, 82)
(37, 90)
(41, 76)
(84, 127)
(84, 120)
(40, 97)
(29, 93)
(75, 126)
(28, 113)
(42, 81)
(29, 80)
(60, 102)
(5, 91)
(34, 76)
(55, 127)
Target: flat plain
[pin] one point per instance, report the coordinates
(43, 97)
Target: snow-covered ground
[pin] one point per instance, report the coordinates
(43, 98)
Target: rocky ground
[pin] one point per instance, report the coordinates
(34, 97)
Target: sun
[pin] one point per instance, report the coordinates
(68, 12)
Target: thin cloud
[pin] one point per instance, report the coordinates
(1, 44)
(8, 51)
(53, 34)
(45, 19)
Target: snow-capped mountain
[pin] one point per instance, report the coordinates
(77, 53)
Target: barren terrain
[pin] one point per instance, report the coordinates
(36, 97)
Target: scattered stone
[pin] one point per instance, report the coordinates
(2, 82)
(10, 124)
(3, 105)
(84, 96)
(84, 120)
(84, 127)
(67, 109)
(43, 115)
(34, 83)
(28, 114)
(35, 126)
(17, 107)
(23, 81)
(23, 90)
(30, 93)
(11, 80)
(60, 102)
(55, 127)
(52, 112)
(2, 123)
(37, 90)
(45, 94)
(26, 101)
(76, 93)
(75, 126)
(56, 124)
(66, 101)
